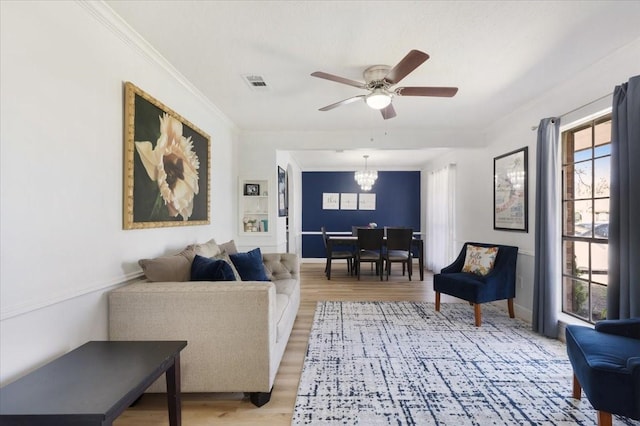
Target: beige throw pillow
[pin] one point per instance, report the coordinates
(229, 247)
(208, 249)
(479, 260)
(224, 256)
(175, 267)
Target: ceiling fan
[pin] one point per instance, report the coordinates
(380, 78)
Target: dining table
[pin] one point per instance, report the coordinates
(352, 240)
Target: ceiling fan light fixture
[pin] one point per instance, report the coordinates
(378, 99)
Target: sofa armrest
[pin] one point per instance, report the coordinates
(229, 326)
(625, 327)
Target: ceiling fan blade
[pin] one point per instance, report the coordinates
(337, 79)
(343, 102)
(405, 66)
(388, 112)
(444, 92)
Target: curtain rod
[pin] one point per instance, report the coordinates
(579, 108)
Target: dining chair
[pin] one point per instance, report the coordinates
(332, 254)
(369, 249)
(398, 249)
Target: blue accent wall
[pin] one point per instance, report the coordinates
(397, 204)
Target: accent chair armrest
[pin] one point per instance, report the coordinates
(457, 264)
(625, 327)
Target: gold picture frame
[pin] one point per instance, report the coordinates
(166, 165)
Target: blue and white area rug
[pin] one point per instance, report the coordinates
(402, 363)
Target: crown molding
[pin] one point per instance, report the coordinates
(106, 16)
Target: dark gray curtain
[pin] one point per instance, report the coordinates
(547, 244)
(623, 292)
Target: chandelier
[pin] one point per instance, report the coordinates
(366, 178)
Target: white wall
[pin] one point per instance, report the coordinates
(63, 65)
(474, 190)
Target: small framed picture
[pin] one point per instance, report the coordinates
(251, 189)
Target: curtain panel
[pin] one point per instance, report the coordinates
(440, 218)
(623, 291)
(547, 273)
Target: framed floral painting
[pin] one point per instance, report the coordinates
(166, 165)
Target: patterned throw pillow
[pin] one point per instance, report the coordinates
(479, 260)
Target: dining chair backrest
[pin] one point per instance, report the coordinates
(324, 236)
(399, 238)
(370, 239)
(354, 229)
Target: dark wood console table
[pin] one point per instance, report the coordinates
(93, 384)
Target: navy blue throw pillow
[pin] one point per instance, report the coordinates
(249, 265)
(205, 269)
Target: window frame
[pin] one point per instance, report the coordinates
(571, 274)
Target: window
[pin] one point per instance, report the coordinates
(586, 163)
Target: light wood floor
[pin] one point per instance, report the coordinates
(232, 409)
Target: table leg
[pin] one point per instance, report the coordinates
(421, 260)
(173, 393)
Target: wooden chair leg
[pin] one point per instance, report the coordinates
(478, 314)
(437, 301)
(604, 419)
(511, 311)
(327, 268)
(577, 389)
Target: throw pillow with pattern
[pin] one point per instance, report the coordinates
(479, 260)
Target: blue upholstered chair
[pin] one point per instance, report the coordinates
(499, 284)
(606, 364)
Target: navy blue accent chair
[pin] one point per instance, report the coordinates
(499, 284)
(606, 364)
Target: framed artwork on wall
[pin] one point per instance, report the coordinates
(166, 165)
(282, 193)
(348, 201)
(330, 201)
(511, 191)
(251, 189)
(366, 201)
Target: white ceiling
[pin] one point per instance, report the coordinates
(501, 54)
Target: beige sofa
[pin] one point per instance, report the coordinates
(236, 331)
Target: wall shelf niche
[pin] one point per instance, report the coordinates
(254, 206)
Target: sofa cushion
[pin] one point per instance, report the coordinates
(286, 286)
(479, 260)
(205, 269)
(175, 267)
(249, 265)
(282, 303)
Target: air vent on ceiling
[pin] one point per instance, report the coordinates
(255, 82)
